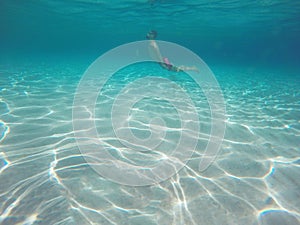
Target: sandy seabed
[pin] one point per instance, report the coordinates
(44, 179)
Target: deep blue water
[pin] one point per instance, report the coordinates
(264, 31)
(253, 51)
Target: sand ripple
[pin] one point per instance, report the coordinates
(45, 180)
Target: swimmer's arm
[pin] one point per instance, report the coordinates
(156, 51)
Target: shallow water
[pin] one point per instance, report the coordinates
(45, 179)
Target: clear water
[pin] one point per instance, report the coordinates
(253, 49)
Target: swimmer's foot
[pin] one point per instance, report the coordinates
(194, 68)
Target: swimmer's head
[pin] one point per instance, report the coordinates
(151, 35)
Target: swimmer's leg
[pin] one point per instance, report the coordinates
(188, 68)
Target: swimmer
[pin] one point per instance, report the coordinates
(164, 61)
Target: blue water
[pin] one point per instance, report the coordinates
(251, 47)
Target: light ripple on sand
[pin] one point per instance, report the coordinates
(44, 178)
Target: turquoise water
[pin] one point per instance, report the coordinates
(252, 48)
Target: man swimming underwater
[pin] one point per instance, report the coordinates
(164, 61)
